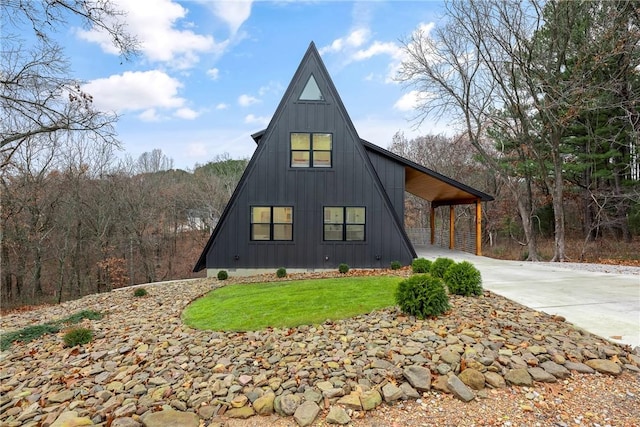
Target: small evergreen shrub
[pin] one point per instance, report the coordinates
(422, 296)
(27, 334)
(77, 336)
(81, 315)
(440, 266)
(343, 268)
(464, 279)
(281, 272)
(421, 266)
(395, 265)
(140, 292)
(223, 275)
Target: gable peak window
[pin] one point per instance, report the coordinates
(344, 223)
(311, 91)
(311, 150)
(271, 223)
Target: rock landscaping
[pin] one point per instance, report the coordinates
(144, 367)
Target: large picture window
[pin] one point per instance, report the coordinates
(344, 223)
(271, 223)
(311, 150)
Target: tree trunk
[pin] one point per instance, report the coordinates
(557, 192)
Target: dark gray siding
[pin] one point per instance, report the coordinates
(392, 176)
(351, 181)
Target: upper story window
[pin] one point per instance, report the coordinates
(344, 223)
(311, 91)
(311, 150)
(271, 223)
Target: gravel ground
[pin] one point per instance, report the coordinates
(596, 268)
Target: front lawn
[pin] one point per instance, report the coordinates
(250, 307)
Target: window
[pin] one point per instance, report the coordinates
(344, 223)
(271, 223)
(311, 91)
(311, 150)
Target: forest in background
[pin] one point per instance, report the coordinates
(545, 93)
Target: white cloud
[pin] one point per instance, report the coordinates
(149, 115)
(132, 91)
(272, 87)
(246, 100)
(353, 40)
(378, 48)
(261, 120)
(222, 106)
(186, 113)
(197, 149)
(213, 73)
(154, 23)
(410, 101)
(234, 13)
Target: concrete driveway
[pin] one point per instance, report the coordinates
(605, 304)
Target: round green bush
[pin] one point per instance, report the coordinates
(77, 336)
(281, 272)
(421, 265)
(140, 292)
(422, 296)
(440, 266)
(223, 275)
(464, 279)
(395, 265)
(343, 268)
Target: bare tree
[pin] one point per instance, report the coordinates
(37, 95)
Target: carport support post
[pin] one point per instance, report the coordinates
(478, 228)
(432, 223)
(452, 220)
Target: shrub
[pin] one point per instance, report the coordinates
(343, 268)
(440, 266)
(421, 265)
(140, 292)
(77, 336)
(464, 279)
(281, 272)
(422, 296)
(223, 275)
(395, 265)
(27, 334)
(81, 315)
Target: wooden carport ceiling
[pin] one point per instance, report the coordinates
(435, 190)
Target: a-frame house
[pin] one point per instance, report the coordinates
(314, 195)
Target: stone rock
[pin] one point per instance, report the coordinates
(472, 378)
(243, 412)
(351, 401)
(459, 389)
(519, 377)
(418, 377)
(605, 366)
(289, 403)
(63, 396)
(409, 392)
(370, 400)
(306, 413)
(169, 417)
(337, 415)
(494, 380)
(579, 367)
(391, 393)
(71, 419)
(540, 375)
(556, 370)
(450, 357)
(440, 384)
(125, 422)
(264, 404)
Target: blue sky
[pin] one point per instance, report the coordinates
(211, 73)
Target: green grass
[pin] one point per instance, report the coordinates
(289, 304)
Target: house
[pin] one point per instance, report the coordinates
(314, 195)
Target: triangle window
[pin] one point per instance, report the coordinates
(311, 91)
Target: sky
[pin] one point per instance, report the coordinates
(211, 73)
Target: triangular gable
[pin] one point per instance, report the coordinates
(310, 79)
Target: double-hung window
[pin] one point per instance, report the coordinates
(311, 150)
(271, 223)
(344, 223)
